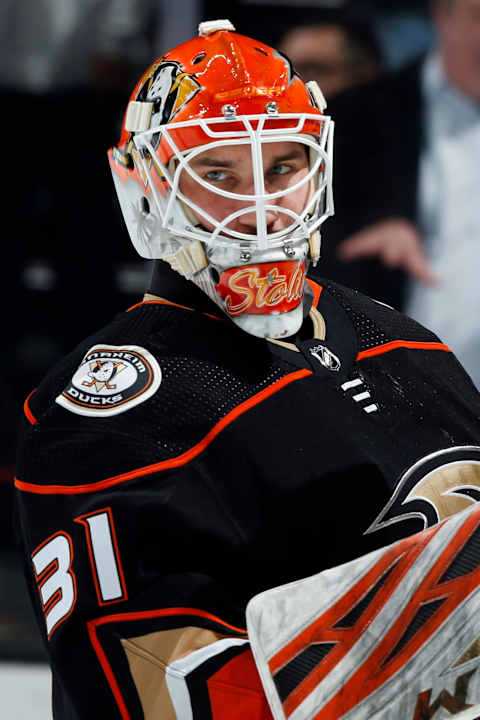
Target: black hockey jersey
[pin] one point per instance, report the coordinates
(172, 466)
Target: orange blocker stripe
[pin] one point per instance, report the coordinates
(178, 461)
(400, 557)
(93, 625)
(395, 344)
(377, 670)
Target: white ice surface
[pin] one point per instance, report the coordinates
(25, 691)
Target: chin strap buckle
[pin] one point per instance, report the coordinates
(188, 260)
(314, 242)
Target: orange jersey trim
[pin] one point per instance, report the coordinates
(157, 302)
(26, 409)
(317, 291)
(92, 626)
(178, 461)
(182, 307)
(395, 344)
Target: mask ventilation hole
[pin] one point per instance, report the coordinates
(145, 206)
(199, 58)
(261, 50)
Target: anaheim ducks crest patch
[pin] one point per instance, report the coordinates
(110, 380)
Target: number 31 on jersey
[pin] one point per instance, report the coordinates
(57, 584)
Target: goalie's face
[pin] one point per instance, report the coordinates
(251, 198)
(229, 169)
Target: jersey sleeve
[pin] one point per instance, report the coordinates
(141, 615)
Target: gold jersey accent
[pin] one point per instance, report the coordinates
(148, 657)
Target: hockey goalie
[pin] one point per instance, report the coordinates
(253, 494)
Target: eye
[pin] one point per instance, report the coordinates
(217, 175)
(280, 169)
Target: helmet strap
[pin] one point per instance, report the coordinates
(188, 260)
(314, 243)
(167, 283)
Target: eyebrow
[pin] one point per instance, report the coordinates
(217, 162)
(212, 162)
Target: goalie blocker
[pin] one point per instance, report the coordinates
(394, 634)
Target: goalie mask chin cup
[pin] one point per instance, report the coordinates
(244, 236)
(262, 292)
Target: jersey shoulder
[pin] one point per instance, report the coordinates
(145, 390)
(374, 322)
(409, 365)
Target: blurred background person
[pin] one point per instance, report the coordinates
(407, 227)
(337, 47)
(50, 45)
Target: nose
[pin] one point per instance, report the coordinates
(247, 223)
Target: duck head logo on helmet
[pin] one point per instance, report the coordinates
(223, 170)
(168, 89)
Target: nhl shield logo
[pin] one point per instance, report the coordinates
(326, 357)
(110, 380)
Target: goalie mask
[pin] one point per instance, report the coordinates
(223, 170)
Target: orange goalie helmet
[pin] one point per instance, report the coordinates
(223, 170)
